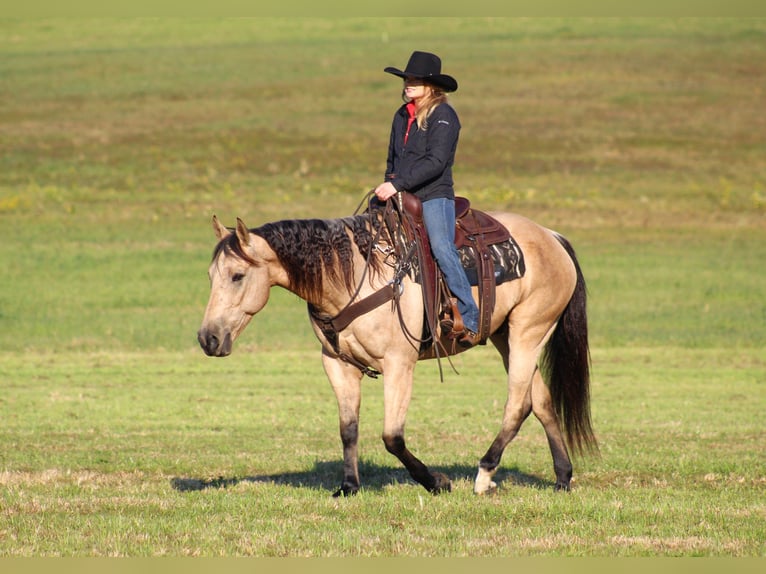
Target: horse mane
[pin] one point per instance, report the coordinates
(313, 251)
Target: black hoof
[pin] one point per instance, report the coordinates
(561, 487)
(442, 483)
(345, 490)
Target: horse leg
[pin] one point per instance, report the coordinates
(522, 365)
(545, 413)
(517, 409)
(346, 383)
(397, 392)
(542, 406)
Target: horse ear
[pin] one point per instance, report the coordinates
(219, 229)
(243, 233)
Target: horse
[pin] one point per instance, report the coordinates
(538, 325)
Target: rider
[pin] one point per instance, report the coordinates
(421, 152)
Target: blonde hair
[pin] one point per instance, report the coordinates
(433, 97)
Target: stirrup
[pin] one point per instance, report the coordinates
(452, 321)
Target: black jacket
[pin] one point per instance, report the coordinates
(424, 165)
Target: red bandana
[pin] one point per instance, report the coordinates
(411, 111)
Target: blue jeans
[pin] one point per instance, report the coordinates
(439, 218)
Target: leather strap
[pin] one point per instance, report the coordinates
(487, 286)
(345, 317)
(331, 326)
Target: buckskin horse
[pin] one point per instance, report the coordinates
(538, 323)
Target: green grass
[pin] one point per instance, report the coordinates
(173, 453)
(640, 139)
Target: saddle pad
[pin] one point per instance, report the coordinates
(507, 258)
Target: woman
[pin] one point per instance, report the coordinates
(421, 152)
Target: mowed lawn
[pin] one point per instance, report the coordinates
(643, 141)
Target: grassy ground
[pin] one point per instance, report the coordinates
(167, 454)
(641, 140)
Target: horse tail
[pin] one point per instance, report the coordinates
(566, 362)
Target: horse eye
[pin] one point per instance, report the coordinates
(237, 277)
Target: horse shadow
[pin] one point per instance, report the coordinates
(326, 475)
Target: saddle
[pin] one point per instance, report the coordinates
(487, 251)
(476, 233)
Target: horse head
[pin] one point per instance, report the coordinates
(240, 281)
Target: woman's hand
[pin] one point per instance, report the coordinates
(385, 191)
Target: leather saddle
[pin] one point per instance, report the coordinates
(475, 230)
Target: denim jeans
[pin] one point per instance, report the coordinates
(439, 218)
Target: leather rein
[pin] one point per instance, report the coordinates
(392, 291)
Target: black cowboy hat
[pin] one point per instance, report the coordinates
(427, 67)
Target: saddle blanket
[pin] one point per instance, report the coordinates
(507, 258)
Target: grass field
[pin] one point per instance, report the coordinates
(643, 141)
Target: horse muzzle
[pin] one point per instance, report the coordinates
(214, 345)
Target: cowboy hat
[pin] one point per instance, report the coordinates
(427, 67)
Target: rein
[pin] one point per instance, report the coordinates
(332, 326)
(404, 251)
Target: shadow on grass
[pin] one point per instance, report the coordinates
(327, 476)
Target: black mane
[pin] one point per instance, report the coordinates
(312, 251)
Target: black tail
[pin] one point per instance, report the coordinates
(566, 363)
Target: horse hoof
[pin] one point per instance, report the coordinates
(484, 483)
(490, 489)
(344, 491)
(442, 483)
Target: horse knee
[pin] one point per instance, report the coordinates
(394, 444)
(349, 433)
(546, 415)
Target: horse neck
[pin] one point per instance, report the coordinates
(318, 260)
